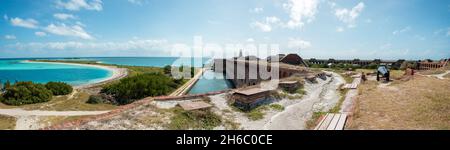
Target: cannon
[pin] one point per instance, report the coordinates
(384, 72)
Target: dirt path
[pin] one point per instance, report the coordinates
(322, 96)
(29, 120)
(439, 76)
(349, 100)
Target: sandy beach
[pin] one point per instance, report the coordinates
(117, 73)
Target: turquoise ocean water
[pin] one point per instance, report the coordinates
(19, 70)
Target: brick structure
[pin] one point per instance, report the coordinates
(355, 61)
(247, 72)
(247, 99)
(429, 64)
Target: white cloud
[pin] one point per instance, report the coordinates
(256, 10)
(349, 16)
(41, 34)
(73, 31)
(300, 12)
(76, 5)
(294, 43)
(80, 24)
(265, 27)
(137, 2)
(138, 44)
(250, 40)
(27, 23)
(5, 17)
(10, 37)
(63, 16)
(272, 20)
(405, 29)
(339, 29)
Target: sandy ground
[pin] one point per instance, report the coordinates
(117, 73)
(145, 117)
(27, 120)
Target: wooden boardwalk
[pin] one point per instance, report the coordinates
(353, 85)
(332, 122)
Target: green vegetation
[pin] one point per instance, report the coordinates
(344, 66)
(311, 123)
(337, 107)
(75, 102)
(298, 94)
(140, 86)
(195, 119)
(59, 88)
(94, 99)
(167, 69)
(137, 70)
(256, 113)
(22, 93)
(277, 107)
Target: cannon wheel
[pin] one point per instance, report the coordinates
(387, 76)
(378, 76)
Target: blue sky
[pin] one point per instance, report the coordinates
(386, 29)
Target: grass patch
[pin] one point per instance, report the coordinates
(276, 107)
(366, 71)
(256, 113)
(422, 103)
(7, 122)
(298, 94)
(437, 108)
(77, 102)
(196, 119)
(397, 74)
(337, 107)
(347, 78)
(53, 120)
(311, 123)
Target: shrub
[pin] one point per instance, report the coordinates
(195, 119)
(95, 99)
(256, 113)
(26, 93)
(140, 86)
(59, 88)
(277, 107)
(167, 69)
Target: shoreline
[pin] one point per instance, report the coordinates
(117, 73)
